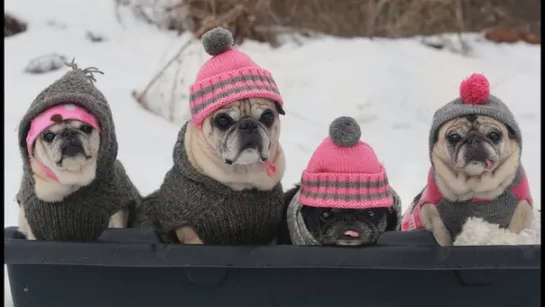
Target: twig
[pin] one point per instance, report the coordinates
(174, 87)
(205, 27)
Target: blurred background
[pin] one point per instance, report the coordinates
(388, 63)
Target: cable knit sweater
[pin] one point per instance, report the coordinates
(218, 214)
(84, 214)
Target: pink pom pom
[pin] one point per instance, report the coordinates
(475, 89)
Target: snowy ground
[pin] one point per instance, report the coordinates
(391, 87)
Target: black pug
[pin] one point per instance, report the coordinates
(340, 227)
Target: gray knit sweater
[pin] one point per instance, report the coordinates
(454, 214)
(300, 235)
(84, 214)
(218, 214)
(496, 211)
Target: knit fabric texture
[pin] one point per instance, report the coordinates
(84, 214)
(299, 233)
(218, 214)
(52, 116)
(455, 214)
(475, 99)
(229, 75)
(344, 172)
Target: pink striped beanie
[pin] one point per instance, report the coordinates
(229, 75)
(344, 172)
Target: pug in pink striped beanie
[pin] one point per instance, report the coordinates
(344, 197)
(225, 183)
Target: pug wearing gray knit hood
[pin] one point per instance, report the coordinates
(224, 187)
(344, 198)
(73, 186)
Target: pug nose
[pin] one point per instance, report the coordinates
(349, 218)
(68, 133)
(71, 147)
(247, 125)
(473, 141)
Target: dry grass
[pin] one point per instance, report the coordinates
(12, 25)
(261, 19)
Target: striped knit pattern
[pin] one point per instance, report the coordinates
(226, 78)
(349, 191)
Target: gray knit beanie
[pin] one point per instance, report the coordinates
(475, 99)
(84, 214)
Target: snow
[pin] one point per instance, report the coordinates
(392, 87)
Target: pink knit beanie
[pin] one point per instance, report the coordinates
(228, 76)
(344, 172)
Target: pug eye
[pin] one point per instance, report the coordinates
(494, 136)
(86, 129)
(454, 138)
(371, 213)
(267, 118)
(49, 136)
(223, 121)
(326, 215)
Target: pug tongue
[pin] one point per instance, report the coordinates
(352, 233)
(489, 164)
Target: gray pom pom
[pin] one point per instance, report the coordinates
(217, 40)
(345, 131)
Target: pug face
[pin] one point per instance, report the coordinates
(345, 227)
(475, 144)
(244, 132)
(67, 146)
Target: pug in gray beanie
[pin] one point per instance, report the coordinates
(73, 186)
(224, 186)
(344, 198)
(476, 172)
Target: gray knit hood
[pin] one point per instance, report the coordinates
(300, 235)
(76, 86)
(475, 99)
(218, 214)
(82, 215)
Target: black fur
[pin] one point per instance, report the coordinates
(283, 231)
(368, 227)
(330, 226)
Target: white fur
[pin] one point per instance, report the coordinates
(478, 232)
(73, 172)
(237, 177)
(72, 175)
(460, 187)
(69, 182)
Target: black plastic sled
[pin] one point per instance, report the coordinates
(130, 268)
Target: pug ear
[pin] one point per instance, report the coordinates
(510, 132)
(279, 108)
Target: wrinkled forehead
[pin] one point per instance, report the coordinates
(253, 107)
(473, 122)
(65, 124)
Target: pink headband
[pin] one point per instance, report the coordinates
(54, 115)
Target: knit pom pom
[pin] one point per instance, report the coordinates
(345, 131)
(217, 40)
(475, 89)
